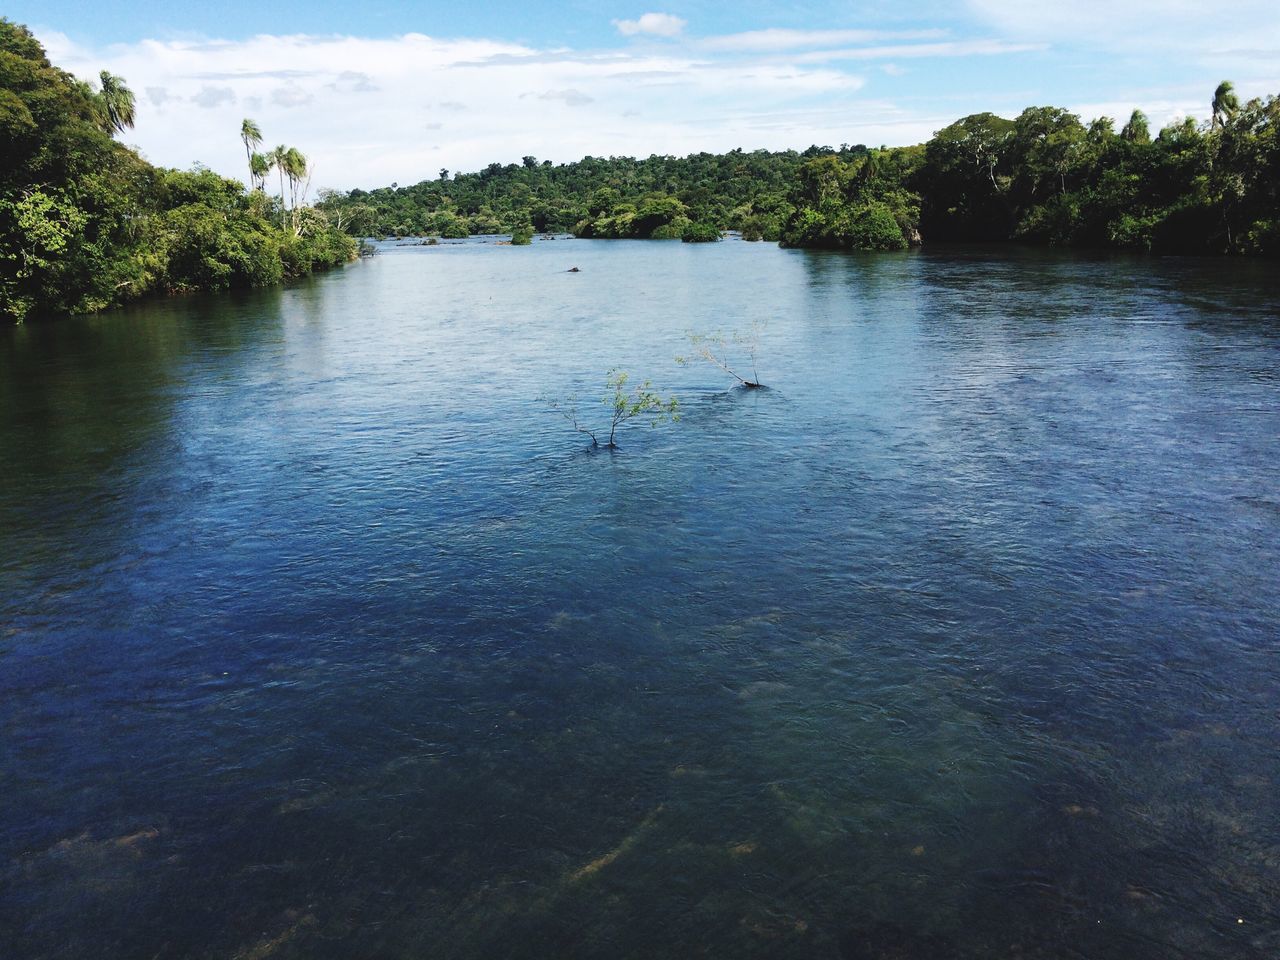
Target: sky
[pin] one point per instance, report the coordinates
(381, 91)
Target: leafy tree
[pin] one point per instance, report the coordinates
(623, 402)
(1225, 104)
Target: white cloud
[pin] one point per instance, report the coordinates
(1129, 25)
(1160, 111)
(353, 81)
(365, 109)
(292, 94)
(655, 24)
(572, 98)
(915, 51)
(372, 111)
(211, 97)
(776, 40)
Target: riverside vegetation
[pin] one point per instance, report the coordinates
(86, 223)
(1045, 177)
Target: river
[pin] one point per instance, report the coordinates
(323, 635)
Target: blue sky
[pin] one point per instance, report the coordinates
(382, 91)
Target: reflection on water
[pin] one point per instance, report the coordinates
(320, 636)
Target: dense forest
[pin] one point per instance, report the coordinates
(620, 197)
(85, 223)
(1044, 177)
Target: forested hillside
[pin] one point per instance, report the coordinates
(85, 223)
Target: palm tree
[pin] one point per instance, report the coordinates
(295, 169)
(251, 137)
(1137, 130)
(1225, 105)
(277, 159)
(259, 167)
(116, 101)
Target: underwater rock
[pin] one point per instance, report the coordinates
(294, 922)
(629, 841)
(1078, 810)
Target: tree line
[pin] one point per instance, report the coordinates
(86, 223)
(1045, 176)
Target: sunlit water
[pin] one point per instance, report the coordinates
(323, 636)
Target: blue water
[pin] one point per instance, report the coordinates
(323, 635)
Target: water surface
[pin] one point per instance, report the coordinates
(322, 635)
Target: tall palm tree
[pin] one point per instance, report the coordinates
(251, 137)
(277, 159)
(1225, 104)
(295, 169)
(116, 101)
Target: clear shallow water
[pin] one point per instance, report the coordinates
(321, 636)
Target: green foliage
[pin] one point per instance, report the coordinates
(38, 228)
(522, 236)
(858, 204)
(624, 401)
(613, 197)
(448, 226)
(870, 226)
(1046, 177)
(85, 223)
(700, 233)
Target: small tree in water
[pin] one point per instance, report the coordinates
(624, 403)
(718, 349)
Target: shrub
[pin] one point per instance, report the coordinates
(700, 233)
